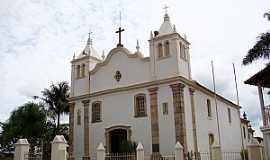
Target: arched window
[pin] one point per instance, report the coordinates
(209, 109)
(83, 70)
(244, 132)
(140, 105)
(96, 112)
(167, 48)
(211, 139)
(182, 51)
(78, 71)
(229, 115)
(160, 50)
(78, 117)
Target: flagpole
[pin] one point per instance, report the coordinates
(238, 102)
(215, 96)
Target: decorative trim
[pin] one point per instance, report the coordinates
(179, 114)
(195, 141)
(71, 129)
(166, 36)
(85, 102)
(180, 79)
(115, 51)
(86, 57)
(86, 129)
(154, 119)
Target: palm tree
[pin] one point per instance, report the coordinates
(57, 99)
(261, 49)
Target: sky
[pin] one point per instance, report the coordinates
(38, 39)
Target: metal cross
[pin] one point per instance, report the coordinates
(119, 34)
(89, 33)
(166, 9)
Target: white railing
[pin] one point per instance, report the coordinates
(158, 156)
(120, 156)
(208, 156)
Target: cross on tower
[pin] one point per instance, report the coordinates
(166, 9)
(89, 33)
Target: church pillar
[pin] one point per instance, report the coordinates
(195, 143)
(154, 119)
(179, 114)
(71, 128)
(86, 130)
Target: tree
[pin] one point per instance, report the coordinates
(261, 49)
(57, 99)
(28, 121)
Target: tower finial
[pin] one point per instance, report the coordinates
(166, 16)
(166, 9)
(103, 55)
(138, 46)
(89, 41)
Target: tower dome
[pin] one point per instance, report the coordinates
(166, 27)
(89, 50)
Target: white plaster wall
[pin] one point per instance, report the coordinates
(80, 86)
(230, 132)
(166, 122)
(245, 139)
(166, 66)
(78, 132)
(133, 70)
(118, 109)
(205, 125)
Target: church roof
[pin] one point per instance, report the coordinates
(166, 27)
(89, 50)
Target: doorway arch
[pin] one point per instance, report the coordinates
(115, 135)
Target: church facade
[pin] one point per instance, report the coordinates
(153, 100)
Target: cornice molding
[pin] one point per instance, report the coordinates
(169, 81)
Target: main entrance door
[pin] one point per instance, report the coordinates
(117, 136)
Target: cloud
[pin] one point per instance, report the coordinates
(38, 39)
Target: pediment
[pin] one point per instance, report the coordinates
(115, 52)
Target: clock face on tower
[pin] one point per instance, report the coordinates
(117, 76)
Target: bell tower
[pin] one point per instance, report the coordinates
(80, 67)
(169, 52)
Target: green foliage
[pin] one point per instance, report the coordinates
(261, 50)
(57, 99)
(28, 121)
(244, 151)
(127, 147)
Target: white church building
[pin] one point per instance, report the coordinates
(153, 100)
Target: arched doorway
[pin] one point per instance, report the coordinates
(115, 136)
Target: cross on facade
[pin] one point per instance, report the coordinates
(166, 9)
(119, 34)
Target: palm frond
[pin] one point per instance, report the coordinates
(267, 15)
(260, 50)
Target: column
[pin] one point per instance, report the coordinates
(154, 119)
(86, 129)
(71, 132)
(179, 114)
(193, 114)
(262, 104)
